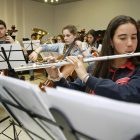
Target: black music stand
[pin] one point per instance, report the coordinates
(78, 115)
(31, 44)
(11, 56)
(27, 116)
(6, 57)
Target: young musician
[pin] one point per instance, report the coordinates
(70, 33)
(60, 39)
(6, 39)
(91, 42)
(3, 38)
(33, 37)
(118, 78)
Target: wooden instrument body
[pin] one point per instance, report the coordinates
(4, 72)
(68, 73)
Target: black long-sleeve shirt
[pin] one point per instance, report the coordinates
(123, 85)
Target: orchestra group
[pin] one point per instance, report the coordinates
(117, 79)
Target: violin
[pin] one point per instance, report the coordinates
(10, 32)
(4, 73)
(68, 73)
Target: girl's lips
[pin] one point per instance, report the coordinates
(129, 52)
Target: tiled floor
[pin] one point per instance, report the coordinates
(39, 77)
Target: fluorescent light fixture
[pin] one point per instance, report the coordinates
(46, 0)
(56, 0)
(51, 0)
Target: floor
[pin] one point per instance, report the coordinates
(38, 77)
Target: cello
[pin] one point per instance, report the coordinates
(68, 70)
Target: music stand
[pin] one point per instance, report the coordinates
(80, 116)
(23, 105)
(31, 44)
(11, 56)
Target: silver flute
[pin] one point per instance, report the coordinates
(59, 63)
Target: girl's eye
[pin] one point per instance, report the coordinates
(134, 37)
(123, 38)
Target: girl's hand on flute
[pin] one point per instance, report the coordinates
(79, 65)
(53, 71)
(33, 56)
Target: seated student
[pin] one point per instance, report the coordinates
(118, 78)
(85, 38)
(91, 42)
(3, 38)
(7, 39)
(33, 37)
(60, 39)
(82, 34)
(70, 34)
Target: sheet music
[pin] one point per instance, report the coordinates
(14, 53)
(28, 96)
(31, 44)
(98, 117)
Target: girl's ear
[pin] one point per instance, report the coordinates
(111, 42)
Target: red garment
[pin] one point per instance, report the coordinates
(123, 80)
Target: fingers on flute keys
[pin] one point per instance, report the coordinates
(50, 59)
(33, 56)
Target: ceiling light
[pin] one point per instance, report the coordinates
(51, 0)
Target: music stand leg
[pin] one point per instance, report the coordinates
(12, 73)
(4, 119)
(14, 130)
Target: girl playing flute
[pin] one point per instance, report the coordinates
(116, 79)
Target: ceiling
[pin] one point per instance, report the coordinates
(56, 3)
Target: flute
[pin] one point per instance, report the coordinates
(59, 63)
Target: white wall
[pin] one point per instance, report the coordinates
(93, 14)
(25, 15)
(96, 14)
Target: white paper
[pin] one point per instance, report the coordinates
(31, 44)
(16, 56)
(28, 96)
(97, 117)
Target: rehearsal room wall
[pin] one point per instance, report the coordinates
(93, 14)
(96, 14)
(25, 15)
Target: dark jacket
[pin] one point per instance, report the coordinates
(124, 84)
